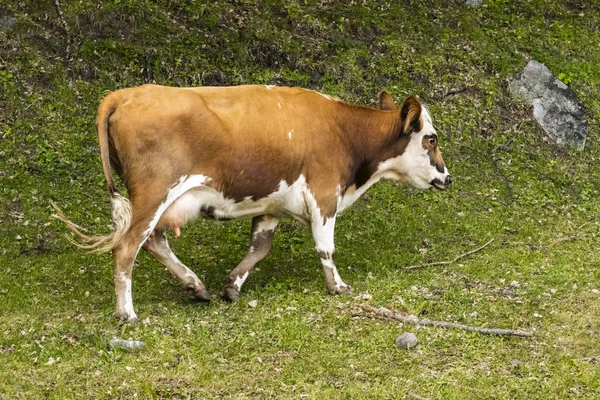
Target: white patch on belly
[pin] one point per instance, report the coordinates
(184, 184)
(286, 201)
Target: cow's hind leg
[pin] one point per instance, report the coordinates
(158, 246)
(124, 256)
(261, 237)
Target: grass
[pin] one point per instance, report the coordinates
(540, 204)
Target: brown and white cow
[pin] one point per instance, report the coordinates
(260, 152)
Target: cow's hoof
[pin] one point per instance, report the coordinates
(342, 290)
(125, 318)
(198, 294)
(230, 293)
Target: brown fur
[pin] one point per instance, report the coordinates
(239, 137)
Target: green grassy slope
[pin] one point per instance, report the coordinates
(539, 203)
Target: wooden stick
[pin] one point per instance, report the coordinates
(468, 253)
(384, 313)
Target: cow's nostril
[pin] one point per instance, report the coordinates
(448, 181)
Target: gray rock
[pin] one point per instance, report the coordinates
(129, 345)
(555, 106)
(474, 3)
(407, 341)
(7, 23)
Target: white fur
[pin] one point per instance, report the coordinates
(184, 184)
(414, 164)
(290, 134)
(322, 232)
(328, 263)
(267, 224)
(239, 280)
(286, 201)
(128, 300)
(324, 95)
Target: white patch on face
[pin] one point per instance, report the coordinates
(290, 134)
(239, 280)
(414, 165)
(128, 300)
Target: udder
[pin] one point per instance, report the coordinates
(186, 208)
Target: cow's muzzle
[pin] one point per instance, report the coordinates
(438, 184)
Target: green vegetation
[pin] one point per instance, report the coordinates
(541, 205)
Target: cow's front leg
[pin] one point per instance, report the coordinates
(261, 237)
(323, 231)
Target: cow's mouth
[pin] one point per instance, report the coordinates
(438, 184)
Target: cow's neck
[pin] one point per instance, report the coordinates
(373, 136)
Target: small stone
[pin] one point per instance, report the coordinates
(18, 237)
(253, 303)
(515, 284)
(474, 3)
(407, 341)
(364, 296)
(7, 23)
(3, 291)
(129, 345)
(515, 363)
(595, 291)
(52, 360)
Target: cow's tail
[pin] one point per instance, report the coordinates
(121, 207)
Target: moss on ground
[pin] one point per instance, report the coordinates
(539, 203)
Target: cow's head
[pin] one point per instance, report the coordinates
(420, 161)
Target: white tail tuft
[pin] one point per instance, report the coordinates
(121, 221)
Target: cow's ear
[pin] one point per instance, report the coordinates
(410, 115)
(386, 102)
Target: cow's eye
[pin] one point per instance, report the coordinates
(432, 140)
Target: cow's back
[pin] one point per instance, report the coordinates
(247, 139)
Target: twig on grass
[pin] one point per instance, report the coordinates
(468, 253)
(454, 91)
(384, 313)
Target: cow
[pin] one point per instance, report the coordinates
(253, 151)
